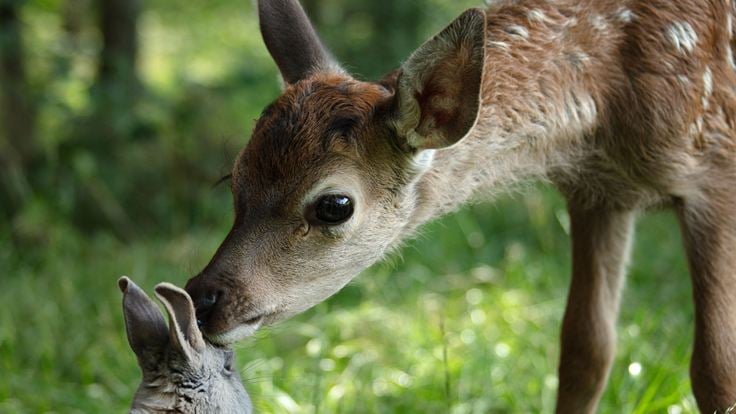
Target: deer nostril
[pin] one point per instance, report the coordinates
(204, 306)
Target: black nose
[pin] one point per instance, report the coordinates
(204, 297)
(204, 306)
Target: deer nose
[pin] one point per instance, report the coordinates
(204, 298)
(204, 306)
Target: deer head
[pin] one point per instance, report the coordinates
(182, 373)
(327, 183)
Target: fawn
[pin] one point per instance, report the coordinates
(622, 105)
(182, 373)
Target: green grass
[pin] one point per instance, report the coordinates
(465, 320)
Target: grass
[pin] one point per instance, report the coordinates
(465, 320)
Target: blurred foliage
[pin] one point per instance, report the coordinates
(116, 177)
(132, 153)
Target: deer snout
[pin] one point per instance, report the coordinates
(205, 297)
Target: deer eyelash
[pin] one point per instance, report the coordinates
(222, 180)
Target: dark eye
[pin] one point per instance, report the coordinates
(228, 366)
(333, 209)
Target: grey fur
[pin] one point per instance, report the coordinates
(182, 373)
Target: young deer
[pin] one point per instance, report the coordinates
(624, 105)
(181, 372)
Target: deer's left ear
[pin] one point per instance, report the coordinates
(439, 85)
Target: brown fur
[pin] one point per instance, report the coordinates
(622, 105)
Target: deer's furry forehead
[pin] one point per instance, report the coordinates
(312, 121)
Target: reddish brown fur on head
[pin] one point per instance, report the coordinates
(326, 134)
(313, 119)
(325, 129)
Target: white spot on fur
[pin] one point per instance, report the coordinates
(498, 45)
(517, 30)
(729, 25)
(625, 15)
(423, 160)
(729, 56)
(536, 15)
(693, 129)
(598, 22)
(682, 35)
(697, 126)
(579, 108)
(707, 87)
(708, 81)
(587, 109)
(683, 80)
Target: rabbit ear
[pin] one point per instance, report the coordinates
(183, 329)
(144, 324)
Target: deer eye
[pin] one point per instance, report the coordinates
(333, 209)
(229, 360)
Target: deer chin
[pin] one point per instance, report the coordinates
(238, 332)
(246, 328)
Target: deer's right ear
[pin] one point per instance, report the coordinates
(439, 85)
(292, 41)
(146, 328)
(183, 330)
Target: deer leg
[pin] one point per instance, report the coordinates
(709, 233)
(601, 241)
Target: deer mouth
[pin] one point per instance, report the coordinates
(241, 330)
(255, 320)
(237, 332)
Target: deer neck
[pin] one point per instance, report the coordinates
(546, 67)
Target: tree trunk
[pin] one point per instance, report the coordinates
(17, 112)
(119, 28)
(117, 86)
(114, 119)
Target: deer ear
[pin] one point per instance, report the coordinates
(183, 330)
(292, 41)
(144, 325)
(439, 85)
